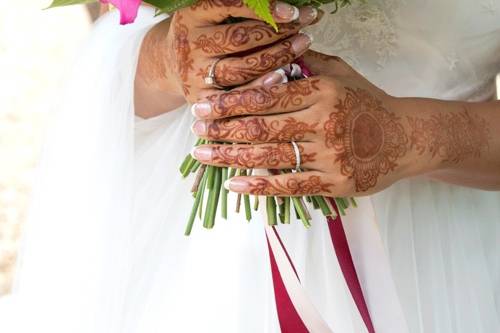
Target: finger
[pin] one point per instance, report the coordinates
(216, 11)
(243, 36)
(260, 100)
(289, 184)
(279, 128)
(263, 156)
(268, 80)
(232, 71)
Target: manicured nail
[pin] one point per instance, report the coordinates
(236, 185)
(201, 110)
(199, 128)
(278, 76)
(307, 15)
(202, 154)
(285, 12)
(301, 43)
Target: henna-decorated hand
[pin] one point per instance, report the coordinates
(354, 138)
(177, 53)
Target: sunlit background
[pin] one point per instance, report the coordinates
(36, 46)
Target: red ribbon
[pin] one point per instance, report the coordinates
(289, 319)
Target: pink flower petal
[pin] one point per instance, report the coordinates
(128, 9)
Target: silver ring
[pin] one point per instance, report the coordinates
(297, 155)
(210, 78)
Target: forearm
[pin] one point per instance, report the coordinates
(457, 142)
(155, 92)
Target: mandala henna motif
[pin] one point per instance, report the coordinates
(184, 62)
(260, 130)
(252, 157)
(292, 187)
(452, 136)
(260, 99)
(368, 138)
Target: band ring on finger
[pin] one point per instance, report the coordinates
(210, 78)
(296, 150)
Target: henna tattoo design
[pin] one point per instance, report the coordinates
(184, 62)
(233, 37)
(292, 187)
(235, 72)
(154, 57)
(452, 136)
(260, 99)
(260, 130)
(368, 138)
(252, 157)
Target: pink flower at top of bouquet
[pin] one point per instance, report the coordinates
(128, 9)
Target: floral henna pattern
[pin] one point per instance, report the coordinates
(254, 157)
(260, 99)
(234, 36)
(368, 138)
(260, 130)
(292, 187)
(452, 136)
(235, 72)
(184, 62)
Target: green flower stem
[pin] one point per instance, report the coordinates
(282, 212)
(210, 178)
(197, 201)
(340, 206)
(287, 210)
(213, 197)
(315, 203)
(325, 209)
(301, 211)
(224, 194)
(353, 202)
(271, 211)
(248, 208)
(202, 187)
(195, 166)
(255, 202)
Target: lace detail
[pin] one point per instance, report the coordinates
(489, 7)
(361, 30)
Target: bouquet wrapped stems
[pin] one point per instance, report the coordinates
(211, 179)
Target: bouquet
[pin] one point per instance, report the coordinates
(210, 178)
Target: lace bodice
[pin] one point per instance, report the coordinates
(445, 49)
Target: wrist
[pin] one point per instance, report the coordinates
(156, 88)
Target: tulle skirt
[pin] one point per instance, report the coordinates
(104, 249)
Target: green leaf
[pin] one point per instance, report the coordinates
(59, 3)
(169, 6)
(261, 8)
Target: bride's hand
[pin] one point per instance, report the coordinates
(178, 54)
(353, 138)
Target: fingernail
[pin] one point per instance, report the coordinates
(276, 77)
(285, 12)
(203, 154)
(236, 185)
(199, 128)
(202, 109)
(307, 15)
(301, 43)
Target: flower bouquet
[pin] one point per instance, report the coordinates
(209, 180)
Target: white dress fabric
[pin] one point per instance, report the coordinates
(104, 250)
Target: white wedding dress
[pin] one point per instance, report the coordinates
(104, 250)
